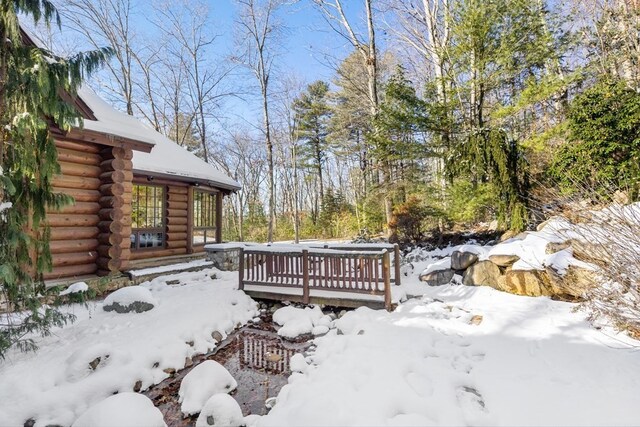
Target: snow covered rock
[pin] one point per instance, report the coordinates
(131, 298)
(220, 410)
(461, 260)
(75, 288)
(437, 278)
(482, 273)
(297, 321)
(122, 410)
(86, 360)
(205, 380)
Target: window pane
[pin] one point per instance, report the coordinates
(147, 216)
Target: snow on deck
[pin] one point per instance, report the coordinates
(170, 268)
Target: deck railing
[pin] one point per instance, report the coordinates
(318, 269)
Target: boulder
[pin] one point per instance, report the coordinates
(462, 260)
(509, 234)
(532, 283)
(503, 260)
(437, 278)
(128, 299)
(482, 273)
(573, 284)
(202, 382)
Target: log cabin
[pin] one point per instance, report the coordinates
(138, 195)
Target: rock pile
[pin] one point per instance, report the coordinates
(532, 264)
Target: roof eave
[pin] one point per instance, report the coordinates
(209, 182)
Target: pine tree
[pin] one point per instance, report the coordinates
(31, 81)
(312, 120)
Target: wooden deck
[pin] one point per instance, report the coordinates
(341, 275)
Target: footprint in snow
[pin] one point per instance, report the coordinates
(470, 397)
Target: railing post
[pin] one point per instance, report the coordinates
(305, 276)
(241, 269)
(386, 274)
(396, 262)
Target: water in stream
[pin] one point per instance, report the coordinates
(255, 356)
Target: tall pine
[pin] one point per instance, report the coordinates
(31, 82)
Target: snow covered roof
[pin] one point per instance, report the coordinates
(166, 158)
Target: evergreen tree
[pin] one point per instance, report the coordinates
(312, 121)
(31, 81)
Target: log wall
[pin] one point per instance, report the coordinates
(74, 229)
(115, 210)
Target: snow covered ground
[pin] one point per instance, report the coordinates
(530, 361)
(452, 355)
(57, 384)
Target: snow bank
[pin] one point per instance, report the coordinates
(202, 382)
(57, 384)
(220, 410)
(75, 288)
(122, 410)
(298, 321)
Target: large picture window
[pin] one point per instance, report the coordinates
(204, 217)
(147, 217)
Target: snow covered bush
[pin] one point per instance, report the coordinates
(611, 239)
(205, 380)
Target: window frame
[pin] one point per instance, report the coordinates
(138, 231)
(212, 210)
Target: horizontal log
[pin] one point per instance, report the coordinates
(178, 190)
(124, 153)
(150, 253)
(77, 169)
(111, 201)
(177, 213)
(182, 206)
(70, 246)
(72, 156)
(85, 208)
(66, 220)
(71, 271)
(61, 260)
(116, 176)
(79, 195)
(72, 233)
(109, 264)
(176, 236)
(177, 228)
(116, 239)
(175, 220)
(176, 244)
(116, 189)
(75, 182)
(116, 164)
(114, 214)
(119, 252)
(78, 146)
(173, 197)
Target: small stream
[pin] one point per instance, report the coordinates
(254, 355)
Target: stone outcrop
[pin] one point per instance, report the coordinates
(482, 273)
(462, 260)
